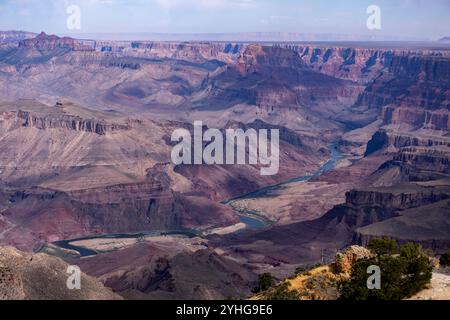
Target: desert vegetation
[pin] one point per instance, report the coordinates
(405, 270)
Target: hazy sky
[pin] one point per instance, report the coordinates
(407, 18)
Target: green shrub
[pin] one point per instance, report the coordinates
(300, 270)
(445, 259)
(265, 281)
(282, 292)
(382, 246)
(402, 275)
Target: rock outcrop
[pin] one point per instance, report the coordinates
(27, 119)
(68, 122)
(11, 284)
(41, 277)
(346, 259)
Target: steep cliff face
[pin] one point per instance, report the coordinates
(257, 57)
(433, 160)
(59, 119)
(399, 198)
(69, 122)
(367, 207)
(420, 82)
(363, 208)
(417, 118)
(414, 164)
(29, 120)
(383, 139)
(413, 157)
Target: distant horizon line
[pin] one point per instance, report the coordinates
(250, 36)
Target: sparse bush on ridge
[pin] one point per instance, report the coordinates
(282, 292)
(265, 281)
(405, 270)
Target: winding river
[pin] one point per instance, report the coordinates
(251, 219)
(85, 252)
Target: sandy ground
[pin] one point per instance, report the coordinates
(227, 230)
(107, 245)
(440, 288)
(296, 202)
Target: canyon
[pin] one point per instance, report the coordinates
(85, 140)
